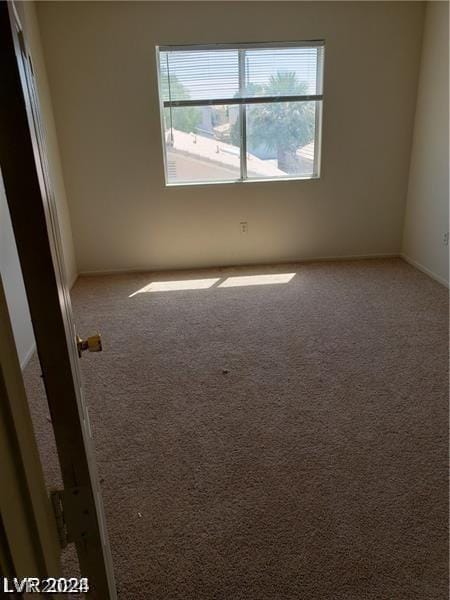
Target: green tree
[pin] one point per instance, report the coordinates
(281, 127)
(185, 118)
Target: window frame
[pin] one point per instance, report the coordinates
(242, 102)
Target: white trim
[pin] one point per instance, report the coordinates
(425, 270)
(242, 101)
(30, 537)
(244, 181)
(73, 281)
(242, 117)
(235, 265)
(26, 359)
(239, 46)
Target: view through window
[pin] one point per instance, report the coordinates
(238, 113)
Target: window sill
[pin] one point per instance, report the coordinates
(240, 181)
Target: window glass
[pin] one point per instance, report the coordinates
(202, 144)
(241, 113)
(281, 136)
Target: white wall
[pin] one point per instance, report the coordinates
(11, 275)
(101, 66)
(427, 211)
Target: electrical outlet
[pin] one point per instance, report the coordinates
(244, 226)
(445, 238)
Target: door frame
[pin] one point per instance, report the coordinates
(29, 545)
(33, 212)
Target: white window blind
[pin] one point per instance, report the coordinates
(224, 94)
(203, 74)
(305, 64)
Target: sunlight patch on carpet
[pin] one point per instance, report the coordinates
(275, 278)
(172, 286)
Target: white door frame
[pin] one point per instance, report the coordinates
(29, 544)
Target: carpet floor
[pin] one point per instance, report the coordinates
(269, 438)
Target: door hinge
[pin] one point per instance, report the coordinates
(21, 39)
(56, 497)
(74, 514)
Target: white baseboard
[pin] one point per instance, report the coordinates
(27, 357)
(425, 270)
(347, 257)
(73, 281)
(225, 266)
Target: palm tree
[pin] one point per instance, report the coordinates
(282, 126)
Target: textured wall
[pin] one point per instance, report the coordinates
(427, 215)
(102, 72)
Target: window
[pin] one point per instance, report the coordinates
(241, 113)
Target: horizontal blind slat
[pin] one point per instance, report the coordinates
(199, 75)
(191, 75)
(284, 71)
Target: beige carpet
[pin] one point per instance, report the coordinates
(278, 441)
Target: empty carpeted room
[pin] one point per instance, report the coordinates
(224, 262)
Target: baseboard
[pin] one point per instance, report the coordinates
(232, 266)
(27, 357)
(425, 270)
(346, 257)
(73, 281)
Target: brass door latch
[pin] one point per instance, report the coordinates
(93, 344)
